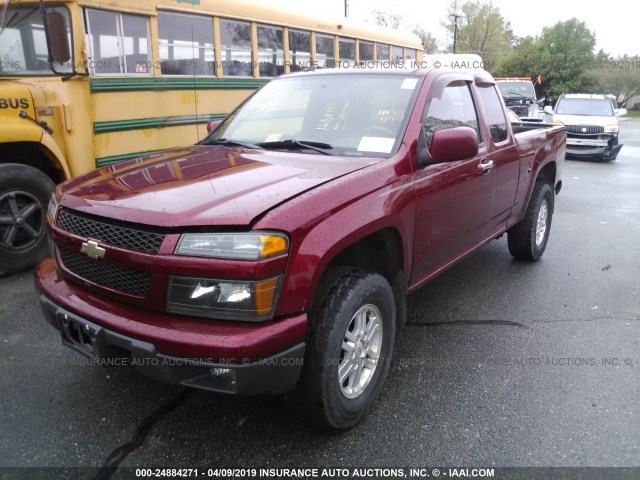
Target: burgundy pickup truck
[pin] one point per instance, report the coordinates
(276, 255)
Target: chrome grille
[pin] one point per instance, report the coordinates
(106, 274)
(109, 233)
(589, 129)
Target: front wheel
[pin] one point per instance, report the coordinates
(24, 195)
(528, 238)
(349, 347)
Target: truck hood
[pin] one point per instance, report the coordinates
(202, 185)
(585, 120)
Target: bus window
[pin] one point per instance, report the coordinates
(118, 43)
(270, 51)
(382, 54)
(366, 52)
(23, 46)
(347, 52)
(397, 55)
(186, 44)
(235, 43)
(299, 50)
(325, 51)
(411, 57)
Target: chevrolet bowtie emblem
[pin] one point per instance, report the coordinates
(91, 249)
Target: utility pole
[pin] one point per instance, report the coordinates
(455, 29)
(346, 8)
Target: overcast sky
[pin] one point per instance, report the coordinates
(614, 23)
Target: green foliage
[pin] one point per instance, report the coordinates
(561, 56)
(429, 42)
(481, 30)
(618, 76)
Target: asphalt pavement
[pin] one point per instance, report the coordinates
(503, 363)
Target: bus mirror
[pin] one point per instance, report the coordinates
(211, 126)
(57, 37)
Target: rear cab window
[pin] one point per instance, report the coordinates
(494, 114)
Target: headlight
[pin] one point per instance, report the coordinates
(238, 246)
(223, 299)
(611, 127)
(52, 209)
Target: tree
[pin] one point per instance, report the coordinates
(566, 53)
(387, 18)
(522, 61)
(562, 55)
(429, 42)
(481, 30)
(618, 76)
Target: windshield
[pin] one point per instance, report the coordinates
(357, 115)
(517, 89)
(596, 107)
(23, 46)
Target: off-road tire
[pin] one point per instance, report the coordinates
(522, 236)
(319, 398)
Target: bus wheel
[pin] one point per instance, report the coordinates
(24, 195)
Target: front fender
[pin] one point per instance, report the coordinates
(387, 208)
(20, 130)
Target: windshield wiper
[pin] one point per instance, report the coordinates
(299, 145)
(231, 143)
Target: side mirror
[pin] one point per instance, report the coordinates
(451, 144)
(57, 37)
(211, 126)
(548, 110)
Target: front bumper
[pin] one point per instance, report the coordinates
(592, 147)
(238, 359)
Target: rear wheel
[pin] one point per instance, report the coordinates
(24, 195)
(349, 347)
(528, 238)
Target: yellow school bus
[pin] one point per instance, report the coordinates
(88, 83)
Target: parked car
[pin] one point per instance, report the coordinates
(591, 125)
(276, 255)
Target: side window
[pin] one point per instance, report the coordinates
(325, 51)
(453, 108)
(366, 52)
(235, 44)
(270, 51)
(397, 55)
(382, 54)
(411, 57)
(186, 44)
(347, 52)
(299, 50)
(493, 112)
(118, 43)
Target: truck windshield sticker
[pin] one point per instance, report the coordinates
(273, 137)
(376, 144)
(409, 83)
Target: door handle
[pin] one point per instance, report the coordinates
(485, 165)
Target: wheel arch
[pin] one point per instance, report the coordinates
(374, 248)
(44, 156)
